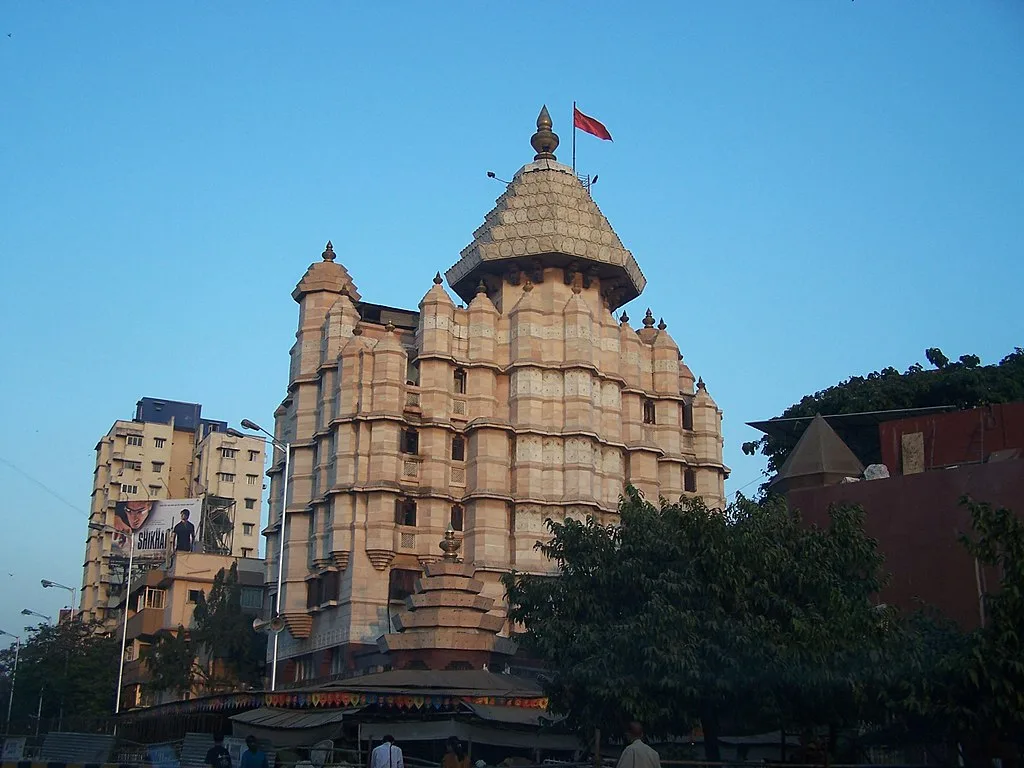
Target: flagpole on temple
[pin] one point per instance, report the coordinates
(574, 136)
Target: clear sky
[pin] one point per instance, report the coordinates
(813, 190)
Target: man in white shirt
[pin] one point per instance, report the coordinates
(387, 755)
(638, 754)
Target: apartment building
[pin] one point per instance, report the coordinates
(170, 451)
(164, 599)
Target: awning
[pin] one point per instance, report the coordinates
(440, 730)
(290, 727)
(514, 715)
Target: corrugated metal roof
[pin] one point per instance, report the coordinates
(514, 715)
(468, 682)
(271, 717)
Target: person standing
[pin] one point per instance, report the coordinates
(253, 757)
(184, 534)
(387, 754)
(637, 754)
(455, 754)
(218, 756)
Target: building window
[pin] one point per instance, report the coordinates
(194, 595)
(252, 597)
(154, 490)
(248, 528)
(410, 441)
(405, 511)
(134, 440)
(401, 583)
(458, 448)
(458, 517)
(460, 381)
(225, 477)
(250, 503)
(158, 466)
(330, 589)
(304, 669)
(159, 442)
(254, 455)
(252, 479)
(690, 481)
(136, 465)
(687, 415)
(228, 453)
(246, 552)
(649, 411)
(129, 488)
(152, 598)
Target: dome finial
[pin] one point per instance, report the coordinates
(328, 254)
(544, 141)
(437, 279)
(450, 545)
(648, 320)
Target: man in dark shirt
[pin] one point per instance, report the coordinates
(218, 755)
(253, 757)
(184, 534)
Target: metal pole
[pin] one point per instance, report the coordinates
(280, 559)
(14, 674)
(574, 137)
(124, 631)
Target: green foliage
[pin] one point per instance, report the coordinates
(964, 384)
(220, 652)
(171, 662)
(970, 686)
(70, 666)
(683, 614)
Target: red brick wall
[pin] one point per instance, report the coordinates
(916, 520)
(955, 438)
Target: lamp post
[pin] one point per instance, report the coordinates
(287, 448)
(14, 674)
(27, 612)
(127, 596)
(74, 593)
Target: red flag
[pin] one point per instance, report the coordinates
(590, 125)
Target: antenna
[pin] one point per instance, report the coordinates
(491, 175)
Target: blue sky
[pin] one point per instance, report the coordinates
(813, 189)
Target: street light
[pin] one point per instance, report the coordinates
(127, 596)
(27, 612)
(14, 674)
(287, 448)
(74, 593)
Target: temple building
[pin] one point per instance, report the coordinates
(533, 398)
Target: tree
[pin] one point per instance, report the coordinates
(969, 687)
(171, 661)
(70, 668)
(964, 384)
(683, 614)
(220, 652)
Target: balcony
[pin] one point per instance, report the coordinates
(146, 623)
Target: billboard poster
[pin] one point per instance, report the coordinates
(158, 527)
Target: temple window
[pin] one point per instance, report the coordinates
(649, 411)
(458, 448)
(690, 481)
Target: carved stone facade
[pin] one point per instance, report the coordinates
(531, 402)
